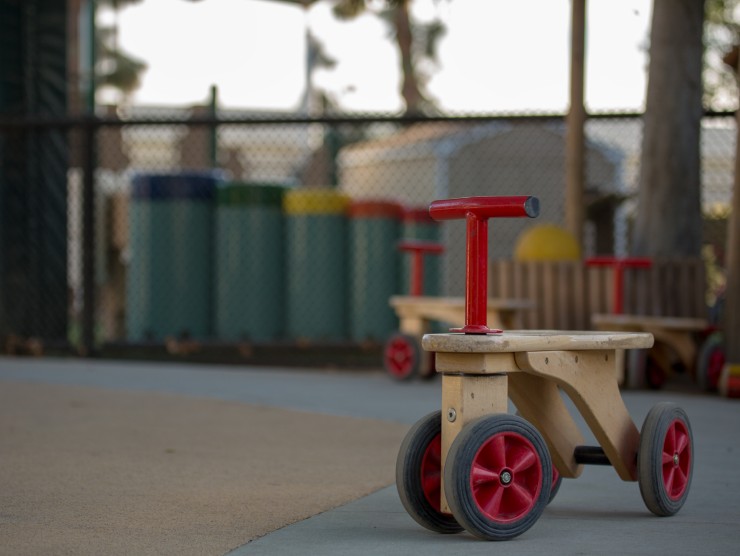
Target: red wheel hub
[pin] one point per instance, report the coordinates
(676, 459)
(400, 357)
(431, 472)
(506, 477)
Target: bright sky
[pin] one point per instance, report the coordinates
(497, 55)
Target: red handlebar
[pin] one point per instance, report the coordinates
(418, 249)
(619, 265)
(477, 211)
(419, 245)
(485, 207)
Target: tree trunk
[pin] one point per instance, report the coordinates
(410, 87)
(669, 200)
(732, 264)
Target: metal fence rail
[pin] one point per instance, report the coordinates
(112, 226)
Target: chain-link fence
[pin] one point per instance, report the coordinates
(226, 229)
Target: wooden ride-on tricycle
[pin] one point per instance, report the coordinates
(473, 466)
(682, 343)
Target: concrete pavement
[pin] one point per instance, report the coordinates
(596, 513)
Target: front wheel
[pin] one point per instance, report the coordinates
(498, 477)
(665, 461)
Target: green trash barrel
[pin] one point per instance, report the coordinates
(168, 289)
(374, 228)
(249, 261)
(316, 277)
(417, 224)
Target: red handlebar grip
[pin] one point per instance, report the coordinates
(420, 245)
(485, 207)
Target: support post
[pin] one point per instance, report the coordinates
(575, 121)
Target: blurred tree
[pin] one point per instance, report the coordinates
(721, 33)
(668, 222)
(415, 42)
(113, 67)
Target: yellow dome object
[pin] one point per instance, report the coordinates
(547, 242)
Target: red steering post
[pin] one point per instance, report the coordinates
(619, 264)
(418, 249)
(477, 211)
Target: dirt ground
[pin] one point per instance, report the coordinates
(91, 471)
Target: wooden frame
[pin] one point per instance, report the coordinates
(480, 372)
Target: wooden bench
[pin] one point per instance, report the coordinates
(473, 466)
(675, 342)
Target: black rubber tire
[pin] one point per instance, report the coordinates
(409, 476)
(461, 495)
(711, 356)
(402, 355)
(557, 481)
(666, 427)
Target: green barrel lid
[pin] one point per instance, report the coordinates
(248, 193)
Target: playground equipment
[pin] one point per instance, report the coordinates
(680, 342)
(403, 357)
(473, 466)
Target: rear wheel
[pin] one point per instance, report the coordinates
(402, 356)
(419, 475)
(710, 361)
(665, 462)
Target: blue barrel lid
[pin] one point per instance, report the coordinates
(181, 185)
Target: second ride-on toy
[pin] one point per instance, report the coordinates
(473, 466)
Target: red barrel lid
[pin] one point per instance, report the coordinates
(375, 208)
(418, 214)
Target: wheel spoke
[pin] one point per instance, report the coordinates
(670, 440)
(667, 458)
(520, 496)
(668, 476)
(682, 442)
(491, 502)
(680, 478)
(496, 452)
(524, 461)
(480, 475)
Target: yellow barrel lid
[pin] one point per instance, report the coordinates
(315, 201)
